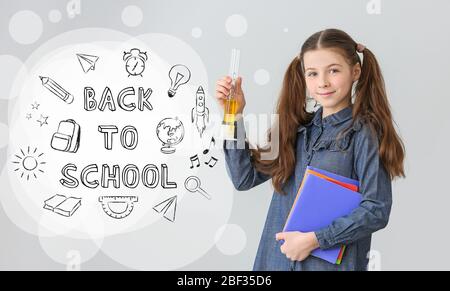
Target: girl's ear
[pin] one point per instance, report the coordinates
(356, 72)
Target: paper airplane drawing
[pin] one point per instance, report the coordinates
(168, 207)
(87, 62)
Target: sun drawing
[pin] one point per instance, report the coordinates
(29, 163)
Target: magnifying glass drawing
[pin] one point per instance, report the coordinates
(192, 184)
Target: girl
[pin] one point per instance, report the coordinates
(352, 136)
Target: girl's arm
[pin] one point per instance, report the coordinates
(238, 161)
(375, 207)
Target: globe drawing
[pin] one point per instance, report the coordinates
(170, 132)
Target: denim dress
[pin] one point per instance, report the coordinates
(353, 154)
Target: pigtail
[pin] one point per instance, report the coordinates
(291, 110)
(372, 106)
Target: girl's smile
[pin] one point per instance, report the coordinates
(326, 94)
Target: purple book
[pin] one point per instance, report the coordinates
(319, 203)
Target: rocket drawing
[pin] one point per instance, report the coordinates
(200, 112)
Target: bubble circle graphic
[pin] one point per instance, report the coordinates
(54, 16)
(236, 25)
(261, 77)
(161, 216)
(196, 32)
(3, 135)
(12, 71)
(25, 27)
(132, 16)
(230, 239)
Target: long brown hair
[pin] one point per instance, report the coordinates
(370, 106)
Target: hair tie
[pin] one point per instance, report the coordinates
(360, 47)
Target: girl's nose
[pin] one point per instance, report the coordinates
(323, 83)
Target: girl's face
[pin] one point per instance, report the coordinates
(329, 79)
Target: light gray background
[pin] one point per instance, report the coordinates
(411, 41)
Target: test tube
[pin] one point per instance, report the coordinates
(231, 106)
(234, 64)
(231, 103)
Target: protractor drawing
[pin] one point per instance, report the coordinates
(118, 207)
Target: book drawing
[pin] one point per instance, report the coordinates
(65, 206)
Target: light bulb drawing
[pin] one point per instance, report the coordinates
(179, 75)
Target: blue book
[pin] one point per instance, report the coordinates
(322, 198)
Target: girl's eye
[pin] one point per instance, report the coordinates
(334, 70)
(311, 74)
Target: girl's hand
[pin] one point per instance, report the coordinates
(297, 245)
(223, 89)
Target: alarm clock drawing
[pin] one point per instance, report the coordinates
(135, 62)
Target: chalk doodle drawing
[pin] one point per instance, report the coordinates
(29, 163)
(118, 207)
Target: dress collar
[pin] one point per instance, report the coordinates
(333, 119)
